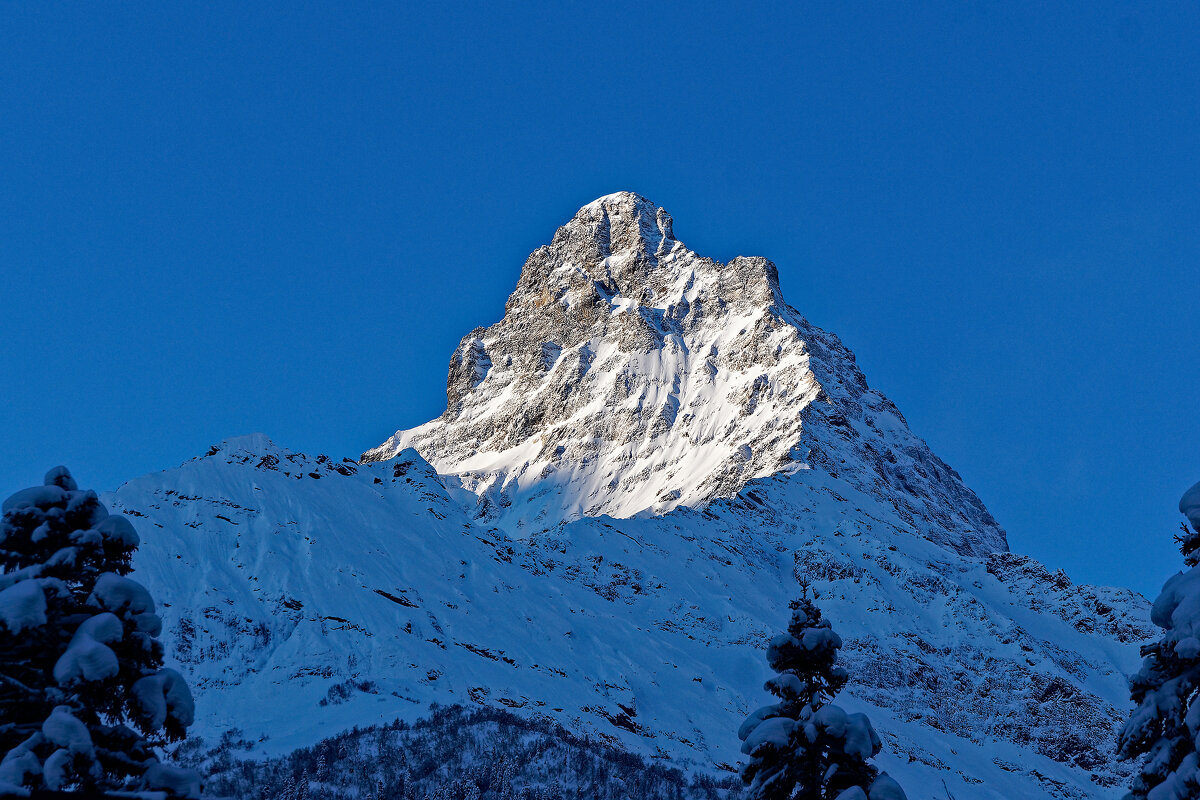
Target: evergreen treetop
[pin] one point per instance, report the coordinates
(804, 747)
(1164, 728)
(84, 699)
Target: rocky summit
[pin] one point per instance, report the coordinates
(631, 376)
(603, 530)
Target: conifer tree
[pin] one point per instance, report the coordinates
(1165, 726)
(804, 747)
(84, 700)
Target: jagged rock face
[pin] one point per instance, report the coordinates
(630, 376)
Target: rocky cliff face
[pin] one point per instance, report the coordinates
(631, 376)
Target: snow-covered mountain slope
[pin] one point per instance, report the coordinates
(632, 480)
(302, 596)
(630, 375)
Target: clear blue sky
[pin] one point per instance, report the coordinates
(225, 218)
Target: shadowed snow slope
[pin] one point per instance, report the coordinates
(637, 463)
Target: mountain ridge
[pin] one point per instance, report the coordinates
(603, 530)
(287, 581)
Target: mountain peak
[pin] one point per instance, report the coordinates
(622, 222)
(625, 246)
(631, 376)
(620, 202)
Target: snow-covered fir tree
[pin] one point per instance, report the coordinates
(1165, 726)
(804, 747)
(84, 700)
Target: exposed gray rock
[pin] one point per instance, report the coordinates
(630, 375)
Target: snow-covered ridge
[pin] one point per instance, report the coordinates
(633, 468)
(302, 596)
(632, 376)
